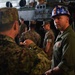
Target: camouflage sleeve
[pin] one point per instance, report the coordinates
(28, 60)
(15, 60)
(39, 40)
(21, 39)
(31, 61)
(42, 66)
(44, 63)
(22, 60)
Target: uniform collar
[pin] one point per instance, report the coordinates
(67, 30)
(64, 33)
(4, 37)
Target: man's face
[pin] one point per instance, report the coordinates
(60, 22)
(45, 27)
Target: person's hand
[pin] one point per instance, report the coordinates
(49, 72)
(55, 70)
(22, 43)
(28, 42)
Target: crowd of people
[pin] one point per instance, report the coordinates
(56, 57)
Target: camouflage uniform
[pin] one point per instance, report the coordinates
(16, 60)
(49, 36)
(33, 35)
(22, 29)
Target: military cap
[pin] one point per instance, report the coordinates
(8, 15)
(45, 23)
(33, 22)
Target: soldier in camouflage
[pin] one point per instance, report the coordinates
(23, 27)
(16, 60)
(48, 39)
(31, 34)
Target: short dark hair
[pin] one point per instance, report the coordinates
(7, 18)
(21, 19)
